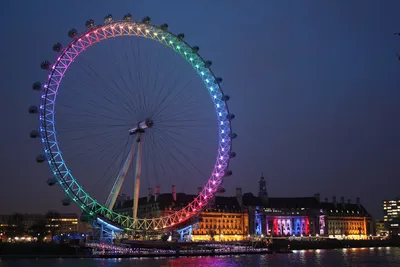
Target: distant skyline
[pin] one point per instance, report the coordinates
(314, 86)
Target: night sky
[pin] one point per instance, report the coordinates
(313, 85)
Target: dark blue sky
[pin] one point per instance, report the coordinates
(313, 84)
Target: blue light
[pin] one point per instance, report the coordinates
(112, 227)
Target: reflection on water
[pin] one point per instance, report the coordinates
(364, 257)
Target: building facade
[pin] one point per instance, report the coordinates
(223, 220)
(381, 228)
(59, 224)
(391, 212)
(305, 216)
(246, 215)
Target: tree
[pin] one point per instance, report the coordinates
(164, 237)
(39, 230)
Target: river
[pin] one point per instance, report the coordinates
(374, 257)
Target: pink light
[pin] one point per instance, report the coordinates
(200, 203)
(87, 35)
(221, 158)
(205, 197)
(219, 166)
(214, 182)
(209, 189)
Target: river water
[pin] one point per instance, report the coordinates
(384, 257)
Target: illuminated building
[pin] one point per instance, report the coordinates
(391, 212)
(63, 223)
(380, 228)
(224, 219)
(305, 216)
(345, 220)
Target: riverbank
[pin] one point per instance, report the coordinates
(48, 250)
(141, 255)
(331, 244)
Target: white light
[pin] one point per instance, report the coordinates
(222, 130)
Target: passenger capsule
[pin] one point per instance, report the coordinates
(40, 158)
(225, 98)
(89, 24)
(34, 134)
(230, 116)
(108, 19)
(164, 27)
(146, 20)
(51, 181)
(232, 155)
(72, 33)
(66, 201)
(57, 47)
(37, 86)
(233, 135)
(33, 109)
(195, 49)
(218, 80)
(228, 173)
(45, 65)
(180, 36)
(207, 64)
(127, 17)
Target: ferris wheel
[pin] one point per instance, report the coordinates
(129, 121)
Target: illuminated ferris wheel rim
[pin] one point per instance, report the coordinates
(48, 134)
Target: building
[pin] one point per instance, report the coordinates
(380, 228)
(345, 220)
(234, 218)
(391, 212)
(223, 220)
(305, 216)
(62, 223)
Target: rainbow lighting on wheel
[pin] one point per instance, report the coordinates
(49, 134)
